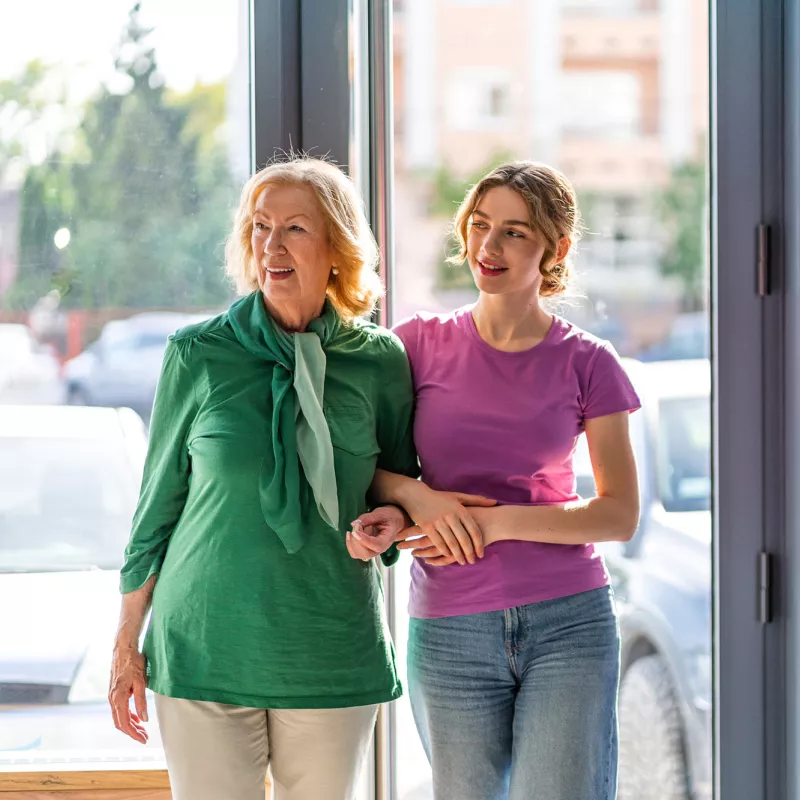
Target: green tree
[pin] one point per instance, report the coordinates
(682, 210)
(46, 202)
(147, 199)
(23, 100)
(206, 110)
(21, 105)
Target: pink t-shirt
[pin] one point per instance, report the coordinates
(505, 425)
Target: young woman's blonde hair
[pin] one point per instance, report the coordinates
(356, 288)
(552, 208)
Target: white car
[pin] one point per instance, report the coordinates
(69, 481)
(122, 367)
(29, 372)
(662, 583)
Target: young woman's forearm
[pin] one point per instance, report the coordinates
(601, 519)
(133, 613)
(389, 488)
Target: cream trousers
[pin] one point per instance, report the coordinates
(221, 752)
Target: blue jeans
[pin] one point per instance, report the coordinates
(520, 704)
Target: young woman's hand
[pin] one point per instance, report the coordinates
(444, 518)
(423, 548)
(375, 532)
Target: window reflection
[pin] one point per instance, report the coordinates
(615, 94)
(684, 442)
(123, 146)
(65, 504)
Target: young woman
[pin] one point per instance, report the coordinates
(514, 650)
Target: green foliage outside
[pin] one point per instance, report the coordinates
(21, 106)
(145, 191)
(144, 187)
(682, 208)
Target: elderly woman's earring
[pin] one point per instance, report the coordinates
(335, 271)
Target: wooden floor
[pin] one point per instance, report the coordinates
(90, 794)
(94, 785)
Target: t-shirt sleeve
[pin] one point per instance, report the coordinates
(395, 421)
(609, 389)
(407, 331)
(165, 483)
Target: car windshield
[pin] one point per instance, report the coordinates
(137, 340)
(65, 504)
(151, 339)
(684, 445)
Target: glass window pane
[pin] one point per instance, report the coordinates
(125, 137)
(615, 95)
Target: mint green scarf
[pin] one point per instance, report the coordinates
(293, 501)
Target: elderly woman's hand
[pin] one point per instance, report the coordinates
(423, 548)
(128, 679)
(375, 532)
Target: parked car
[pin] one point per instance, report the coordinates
(69, 480)
(29, 372)
(122, 367)
(662, 583)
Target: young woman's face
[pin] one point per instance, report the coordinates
(503, 251)
(290, 245)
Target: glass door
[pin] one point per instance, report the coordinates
(615, 95)
(125, 138)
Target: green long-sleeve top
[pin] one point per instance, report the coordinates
(235, 617)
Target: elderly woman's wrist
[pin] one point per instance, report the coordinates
(407, 521)
(127, 640)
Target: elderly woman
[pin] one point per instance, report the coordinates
(267, 644)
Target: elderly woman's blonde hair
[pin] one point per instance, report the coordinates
(356, 288)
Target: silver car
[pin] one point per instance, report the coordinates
(122, 367)
(662, 583)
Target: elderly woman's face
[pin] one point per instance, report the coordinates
(290, 245)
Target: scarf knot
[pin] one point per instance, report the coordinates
(297, 480)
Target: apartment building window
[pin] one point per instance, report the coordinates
(498, 104)
(619, 116)
(481, 2)
(622, 234)
(609, 6)
(479, 100)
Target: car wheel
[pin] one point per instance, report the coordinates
(652, 765)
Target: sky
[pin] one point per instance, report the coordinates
(195, 40)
